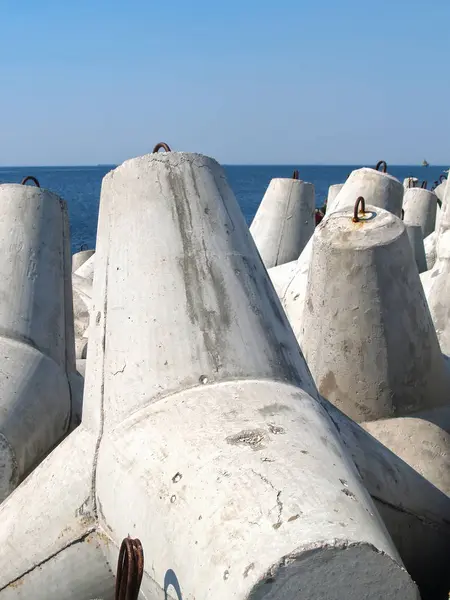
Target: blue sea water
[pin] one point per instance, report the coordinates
(80, 187)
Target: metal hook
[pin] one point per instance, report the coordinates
(130, 569)
(442, 178)
(381, 163)
(424, 185)
(359, 202)
(30, 178)
(295, 174)
(403, 214)
(161, 145)
(434, 186)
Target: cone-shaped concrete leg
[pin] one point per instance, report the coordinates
(436, 282)
(79, 258)
(381, 190)
(333, 191)
(364, 309)
(284, 221)
(420, 209)
(36, 329)
(440, 190)
(416, 240)
(412, 496)
(236, 479)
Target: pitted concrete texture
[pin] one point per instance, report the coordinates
(378, 189)
(364, 308)
(284, 221)
(195, 409)
(420, 209)
(281, 276)
(430, 249)
(79, 258)
(36, 329)
(416, 240)
(333, 191)
(440, 190)
(415, 511)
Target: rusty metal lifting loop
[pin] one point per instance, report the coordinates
(442, 178)
(424, 185)
(30, 178)
(295, 174)
(130, 569)
(410, 182)
(403, 214)
(161, 145)
(381, 163)
(359, 202)
(434, 186)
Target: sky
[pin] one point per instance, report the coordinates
(247, 82)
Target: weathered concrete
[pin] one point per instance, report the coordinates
(195, 404)
(86, 271)
(364, 308)
(79, 258)
(416, 240)
(378, 189)
(429, 244)
(382, 190)
(281, 276)
(415, 511)
(440, 190)
(333, 191)
(436, 282)
(420, 209)
(410, 182)
(36, 329)
(284, 221)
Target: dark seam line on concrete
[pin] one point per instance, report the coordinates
(72, 543)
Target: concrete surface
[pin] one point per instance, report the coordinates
(196, 395)
(281, 276)
(364, 308)
(416, 240)
(79, 258)
(333, 191)
(410, 182)
(440, 190)
(415, 511)
(36, 332)
(284, 221)
(420, 209)
(379, 189)
(429, 244)
(436, 282)
(86, 270)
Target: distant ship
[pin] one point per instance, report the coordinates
(425, 164)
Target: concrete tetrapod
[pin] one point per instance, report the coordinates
(436, 282)
(420, 209)
(367, 336)
(36, 329)
(429, 245)
(284, 221)
(199, 433)
(410, 182)
(333, 191)
(380, 189)
(410, 491)
(79, 258)
(416, 240)
(440, 190)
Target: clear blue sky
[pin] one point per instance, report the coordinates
(279, 81)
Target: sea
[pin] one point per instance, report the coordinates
(80, 187)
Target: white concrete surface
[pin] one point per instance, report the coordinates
(195, 411)
(414, 510)
(284, 221)
(364, 308)
(79, 258)
(381, 190)
(430, 249)
(436, 282)
(378, 189)
(281, 276)
(416, 240)
(333, 191)
(86, 271)
(410, 182)
(440, 190)
(36, 333)
(82, 282)
(420, 209)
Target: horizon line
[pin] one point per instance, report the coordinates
(93, 165)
